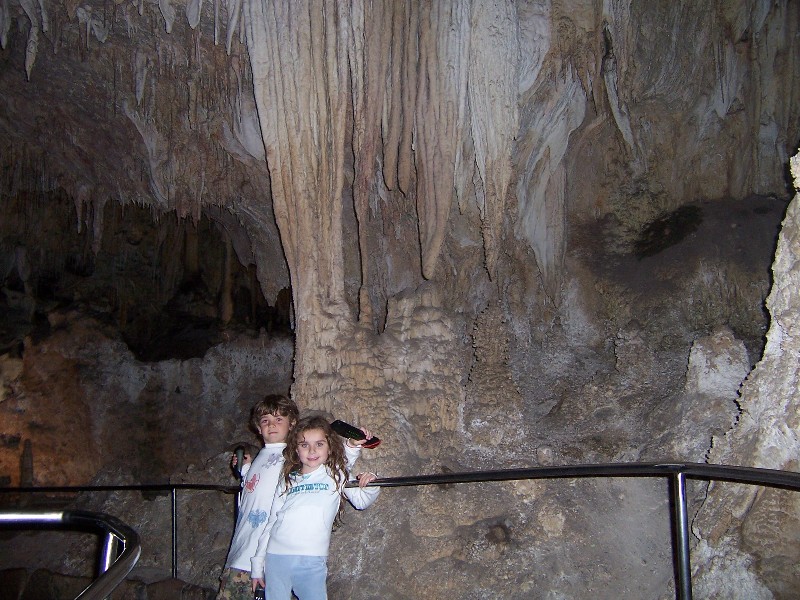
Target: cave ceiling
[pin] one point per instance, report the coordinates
(351, 152)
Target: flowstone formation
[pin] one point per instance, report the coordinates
(734, 525)
(513, 233)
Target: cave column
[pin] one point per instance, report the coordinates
(298, 54)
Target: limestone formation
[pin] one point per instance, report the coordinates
(498, 233)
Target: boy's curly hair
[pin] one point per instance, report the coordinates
(273, 404)
(337, 461)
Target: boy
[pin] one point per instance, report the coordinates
(272, 417)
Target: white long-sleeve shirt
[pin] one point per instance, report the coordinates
(301, 518)
(260, 478)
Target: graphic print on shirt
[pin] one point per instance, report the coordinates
(272, 460)
(305, 488)
(251, 484)
(257, 517)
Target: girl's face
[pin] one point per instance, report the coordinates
(274, 428)
(312, 449)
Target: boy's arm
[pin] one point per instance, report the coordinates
(257, 561)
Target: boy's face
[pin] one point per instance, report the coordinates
(274, 428)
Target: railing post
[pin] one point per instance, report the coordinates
(174, 534)
(681, 537)
(109, 551)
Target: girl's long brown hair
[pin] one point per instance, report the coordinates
(336, 463)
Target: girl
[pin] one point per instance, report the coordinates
(295, 543)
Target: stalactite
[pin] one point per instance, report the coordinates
(234, 12)
(169, 13)
(369, 59)
(226, 293)
(192, 103)
(92, 24)
(32, 47)
(440, 104)
(541, 188)
(158, 157)
(194, 9)
(99, 205)
(618, 108)
(493, 85)
(242, 33)
(393, 109)
(5, 23)
(300, 76)
(45, 19)
(216, 22)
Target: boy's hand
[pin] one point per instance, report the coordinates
(246, 460)
(258, 581)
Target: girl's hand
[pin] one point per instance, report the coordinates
(356, 443)
(365, 478)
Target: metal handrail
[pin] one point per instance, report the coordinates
(114, 566)
(758, 476)
(676, 472)
(142, 487)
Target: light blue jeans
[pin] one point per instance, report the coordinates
(306, 575)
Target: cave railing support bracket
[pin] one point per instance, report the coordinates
(681, 541)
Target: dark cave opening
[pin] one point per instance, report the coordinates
(156, 282)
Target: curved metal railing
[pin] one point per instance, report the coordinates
(172, 488)
(120, 547)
